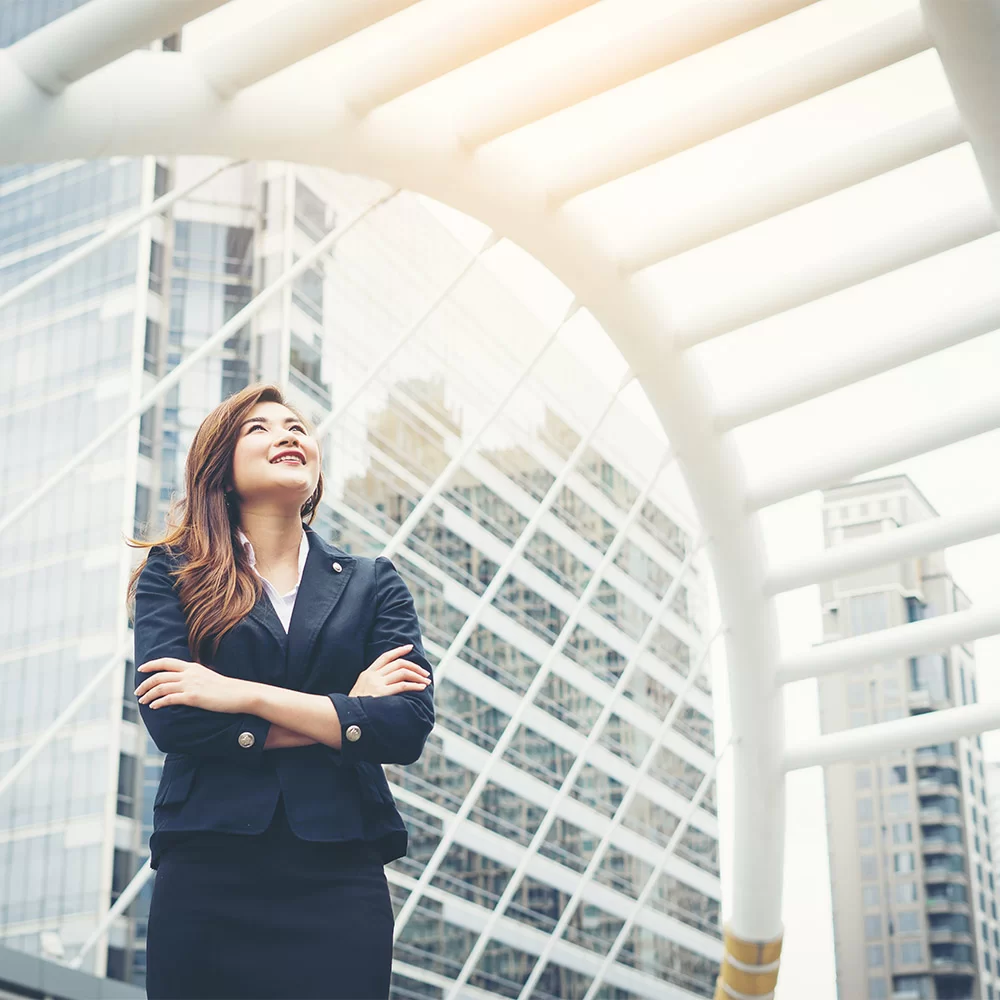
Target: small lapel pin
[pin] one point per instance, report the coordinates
(337, 567)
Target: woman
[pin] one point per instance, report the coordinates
(277, 673)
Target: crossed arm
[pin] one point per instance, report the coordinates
(192, 709)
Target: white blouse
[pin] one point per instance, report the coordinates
(282, 604)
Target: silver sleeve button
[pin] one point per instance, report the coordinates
(247, 740)
(353, 734)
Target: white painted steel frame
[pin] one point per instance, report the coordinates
(541, 675)
(654, 875)
(149, 103)
(655, 746)
(596, 730)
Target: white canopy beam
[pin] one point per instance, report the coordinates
(906, 542)
(927, 636)
(294, 33)
(631, 142)
(969, 420)
(896, 340)
(785, 190)
(603, 47)
(900, 734)
(89, 37)
(891, 245)
(446, 34)
(967, 37)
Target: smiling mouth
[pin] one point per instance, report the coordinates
(288, 460)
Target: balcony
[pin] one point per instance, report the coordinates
(958, 967)
(937, 845)
(945, 935)
(936, 874)
(934, 814)
(933, 757)
(943, 905)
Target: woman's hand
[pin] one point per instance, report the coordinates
(390, 674)
(178, 682)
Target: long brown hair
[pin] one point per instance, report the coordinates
(217, 587)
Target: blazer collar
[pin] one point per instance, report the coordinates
(320, 588)
(324, 579)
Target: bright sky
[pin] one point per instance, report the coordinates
(761, 265)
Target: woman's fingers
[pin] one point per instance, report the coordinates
(402, 686)
(150, 682)
(403, 665)
(159, 690)
(387, 657)
(415, 674)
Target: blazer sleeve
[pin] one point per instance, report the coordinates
(161, 630)
(394, 728)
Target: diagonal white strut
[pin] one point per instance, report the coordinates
(619, 817)
(128, 894)
(654, 875)
(108, 236)
(24, 761)
(448, 835)
(404, 531)
(172, 378)
(397, 345)
(552, 812)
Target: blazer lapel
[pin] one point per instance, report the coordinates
(321, 588)
(264, 614)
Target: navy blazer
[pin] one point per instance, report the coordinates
(217, 774)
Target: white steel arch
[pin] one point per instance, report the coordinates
(533, 117)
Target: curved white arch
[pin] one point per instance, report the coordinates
(395, 127)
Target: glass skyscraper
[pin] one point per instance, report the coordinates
(78, 351)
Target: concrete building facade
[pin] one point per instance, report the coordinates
(74, 353)
(911, 859)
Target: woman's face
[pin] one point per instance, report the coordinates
(276, 463)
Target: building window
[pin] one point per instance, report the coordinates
(897, 775)
(866, 810)
(856, 695)
(151, 351)
(877, 988)
(904, 862)
(906, 892)
(908, 921)
(866, 836)
(902, 833)
(870, 895)
(869, 867)
(873, 928)
(876, 956)
(910, 953)
(155, 267)
(868, 613)
(899, 804)
(858, 719)
(863, 778)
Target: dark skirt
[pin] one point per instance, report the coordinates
(268, 917)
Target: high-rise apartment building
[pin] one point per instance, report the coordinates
(78, 351)
(911, 861)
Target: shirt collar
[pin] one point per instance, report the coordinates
(252, 558)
